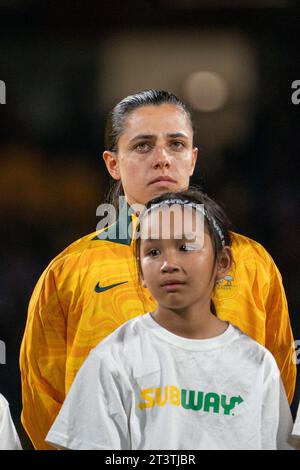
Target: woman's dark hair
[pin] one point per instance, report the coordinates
(116, 120)
(216, 217)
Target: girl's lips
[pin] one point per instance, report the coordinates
(173, 286)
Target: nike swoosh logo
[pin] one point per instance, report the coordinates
(99, 289)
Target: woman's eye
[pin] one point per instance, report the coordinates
(177, 145)
(143, 147)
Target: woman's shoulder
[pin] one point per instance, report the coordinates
(249, 252)
(84, 255)
(95, 243)
(247, 245)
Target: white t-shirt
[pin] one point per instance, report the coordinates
(145, 388)
(296, 430)
(9, 439)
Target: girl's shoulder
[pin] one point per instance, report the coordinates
(254, 352)
(125, 339)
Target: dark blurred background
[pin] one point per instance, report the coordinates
(67, 63)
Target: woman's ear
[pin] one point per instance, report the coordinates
(112, 164)
(224, 263)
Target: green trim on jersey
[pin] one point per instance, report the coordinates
(117, 232)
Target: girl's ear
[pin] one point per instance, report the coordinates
(224, 263)
(141, 278)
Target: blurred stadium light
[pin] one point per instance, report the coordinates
(197, 4)
(140, 60)
(206, 91)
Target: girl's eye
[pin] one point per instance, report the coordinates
(188, 247)
(153, 252)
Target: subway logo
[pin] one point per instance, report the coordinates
(188, 399)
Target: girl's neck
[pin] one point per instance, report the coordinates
(191, 322)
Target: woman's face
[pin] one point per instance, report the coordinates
(155, 153)
(179, 270)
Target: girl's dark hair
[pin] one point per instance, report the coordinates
(215, 213)
(116, 120)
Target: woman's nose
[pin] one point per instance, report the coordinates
(162, 164)
(161, 158)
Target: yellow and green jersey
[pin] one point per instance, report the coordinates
(92, 288)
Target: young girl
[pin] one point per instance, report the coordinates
(178, 377)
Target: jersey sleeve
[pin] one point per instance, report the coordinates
(43, 360)
(95, 413)
(279, 335)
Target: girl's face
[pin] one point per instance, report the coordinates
(155, 153)
(180, 271)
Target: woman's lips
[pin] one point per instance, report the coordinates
(162, 181)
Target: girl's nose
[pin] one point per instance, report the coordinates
(169, 266)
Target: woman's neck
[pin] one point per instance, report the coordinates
(191, 322)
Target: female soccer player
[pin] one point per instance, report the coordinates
(92, 287)
(179, 377)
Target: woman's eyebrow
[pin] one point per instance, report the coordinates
(171, 135)
(142, 136)
(178, 134)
